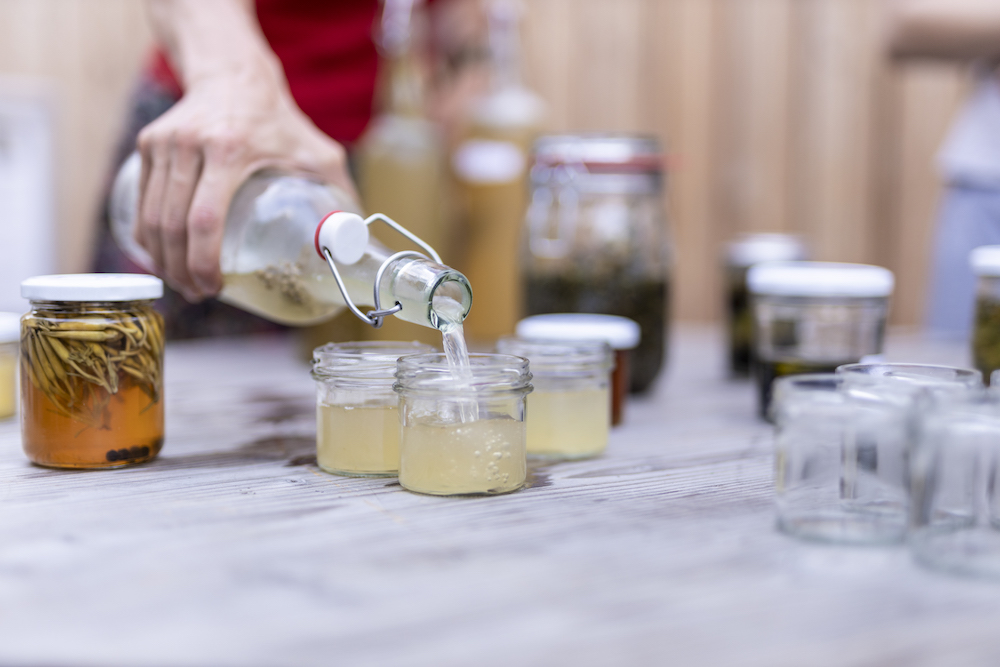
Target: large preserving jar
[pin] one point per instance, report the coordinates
(595, 237)
(811, 317)
(462, 433)
(357, 420)
(742, 253)
(10, 336)
(985, 263)
(569, 412)
(92, 370)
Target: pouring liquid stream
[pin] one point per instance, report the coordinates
(449, 312)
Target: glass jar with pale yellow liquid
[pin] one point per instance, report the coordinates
(357, 422)
(10, 336)
(462, 430)
(569, 412)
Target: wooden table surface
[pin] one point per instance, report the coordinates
(234, 549)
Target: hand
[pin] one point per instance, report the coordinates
(196, 155)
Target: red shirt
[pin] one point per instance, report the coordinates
(328, 55)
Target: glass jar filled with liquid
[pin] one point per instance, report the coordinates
(742, 253)
(10, 336)
(985, 263)
(357, 417)
(811, 317)
(595, 237)
(570, 408)
(462, 429)
(91, 370)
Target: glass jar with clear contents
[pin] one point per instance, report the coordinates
(569, 412)
(91, 370)
(811, 317)
(985, 264)
(462, 431)
(10, 335)
(357, 416)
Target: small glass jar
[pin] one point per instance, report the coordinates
(92, 370)
(462, 436)
(357, 416)
(569, 412)
(10, 336)
(742, 253)
(620, 333)
(596, 237)
(811, 317)
(985, 263)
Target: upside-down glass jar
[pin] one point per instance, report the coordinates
(10, 335)
(462, 433)
(985, 263)
(742, 253)
(811, 317)
(569, 412)
(91, 370)
(357, 416)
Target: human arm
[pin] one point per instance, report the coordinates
(236, 117)
(944, 29)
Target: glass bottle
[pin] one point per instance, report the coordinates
(742, 253)
(357, 420)
(91, 370)
(595, 237)
(811, 317)
(10, 336)
(985, 263)
(444, 452)
(570, 407)
(294, 253)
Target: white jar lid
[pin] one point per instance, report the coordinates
(985, 260)
(750, 249)
(620, 333)
(820, 279)
(92, 287)
(10, 328)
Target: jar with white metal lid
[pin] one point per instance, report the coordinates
(92, 370)
(569, 412)
(811, 317)
(743, 252)
(985, 264)
(357, 416)
(596, 237)
(621, 334)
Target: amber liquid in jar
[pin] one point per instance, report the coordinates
(91, 384)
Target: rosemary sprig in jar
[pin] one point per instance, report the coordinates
(80, 362)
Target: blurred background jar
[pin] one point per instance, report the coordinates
(985, 264)
(742, 253)
(595, 237)
(811, 317)
(10, 336)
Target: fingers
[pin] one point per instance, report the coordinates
(181, 180)
(206, 224)
(155, 165)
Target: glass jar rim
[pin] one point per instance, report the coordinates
(363, 359)
(560, 357)
(490, 373)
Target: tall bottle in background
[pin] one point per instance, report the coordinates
(490, 168)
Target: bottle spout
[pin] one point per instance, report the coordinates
(428, 293)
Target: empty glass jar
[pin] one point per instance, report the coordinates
(462, 436)
(595, 237)
(811, 317)
(569, 412)
(357, 416)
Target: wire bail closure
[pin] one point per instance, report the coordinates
(377, 316)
